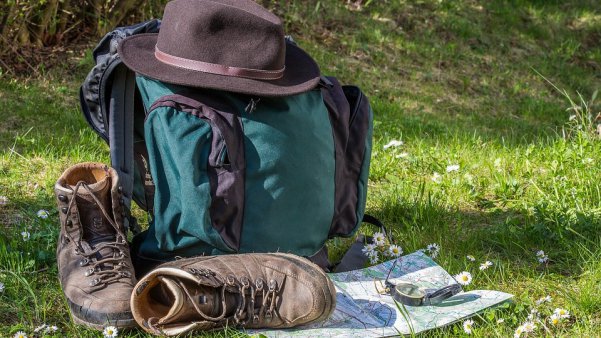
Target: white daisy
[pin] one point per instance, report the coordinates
(533, 315)
(485, 265)
(110, 332)
(563, 313)
(467, 326)
(588, 160)
(395, 250)
(402, 155)
(43, 214)
(3, 200)
(433, 247)
(373, 259)
(554, 319)
(1, 287)
(40, 328)
(546, 299)
(540, 253)
(25, 235)
(379, 238)
(543, 259)
(436, 178)
(500, 320)
(572, 117)
(497, 163)
(464, 278)
(452, 167)
(51, 329)
(368, 249)
(20, 334)
(393, 143)
(529, 327)
(470, 258)
(518, 331)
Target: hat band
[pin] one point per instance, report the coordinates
(213, 68)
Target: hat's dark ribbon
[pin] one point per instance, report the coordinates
(213, 68)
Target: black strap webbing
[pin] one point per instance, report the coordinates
(354, 258)
(121, 132)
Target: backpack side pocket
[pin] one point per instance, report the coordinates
(199, 177)
(351, 119)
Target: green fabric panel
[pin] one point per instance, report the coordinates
(289, 202)
(151, 89)
(364, 176)
(178, 147)
(289, 175)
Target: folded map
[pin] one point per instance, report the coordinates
(363, 308)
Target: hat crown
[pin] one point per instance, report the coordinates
(230, 33)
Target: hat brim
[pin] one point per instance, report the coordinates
(301, 73)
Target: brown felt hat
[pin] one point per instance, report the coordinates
(232, 45)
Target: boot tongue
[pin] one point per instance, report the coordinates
(183, 310)
(96, 227)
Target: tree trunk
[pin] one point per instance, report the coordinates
(49, 12)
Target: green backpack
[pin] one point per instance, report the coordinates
(230, 173)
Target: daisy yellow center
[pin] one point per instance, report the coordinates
(109, 331)
(562, 312)
(555, 321)
(395, 250)
(464, 278)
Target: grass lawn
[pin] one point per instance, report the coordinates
(458, 82)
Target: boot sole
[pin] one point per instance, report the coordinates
(121, 323)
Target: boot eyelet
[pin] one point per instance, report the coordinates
(230, 280)
(84, 261)
(272, 285)
(255, 319)
(63, 198)
(259, 283)
(89, 272)
(125, 274)
(95, 282)
(69, 223)
(244, 280)
(64, 210)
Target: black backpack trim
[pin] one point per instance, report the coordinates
(109, 101)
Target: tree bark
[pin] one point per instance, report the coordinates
(49, 12)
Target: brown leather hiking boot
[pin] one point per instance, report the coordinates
(94, 264)
(273, 290)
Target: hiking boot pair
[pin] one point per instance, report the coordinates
(201, 293)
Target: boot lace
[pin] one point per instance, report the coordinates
(251, 295)
(104, 273)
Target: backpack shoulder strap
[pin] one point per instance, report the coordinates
(107, 99)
